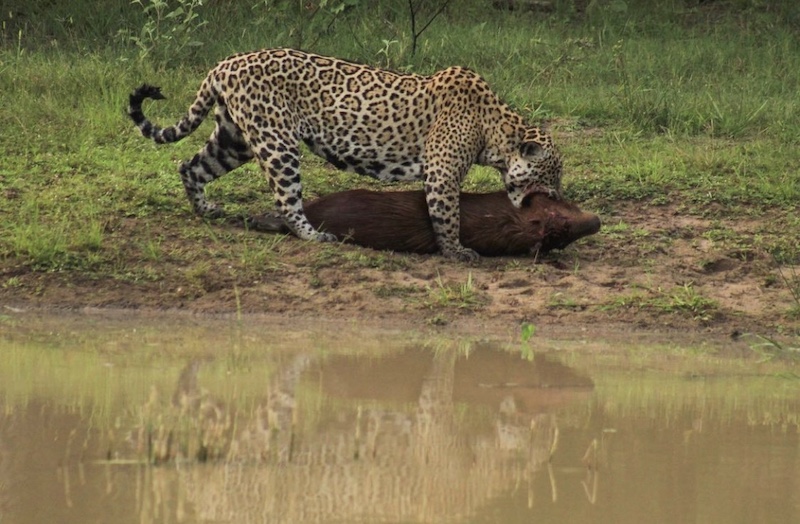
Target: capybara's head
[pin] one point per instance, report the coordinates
(492, 226)
(561, 222)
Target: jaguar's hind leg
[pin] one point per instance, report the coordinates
(225, 151)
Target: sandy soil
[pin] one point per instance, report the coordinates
(665, 275)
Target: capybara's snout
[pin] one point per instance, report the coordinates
(587, 224)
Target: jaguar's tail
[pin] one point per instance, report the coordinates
(205, 99)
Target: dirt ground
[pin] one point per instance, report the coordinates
(660, 273)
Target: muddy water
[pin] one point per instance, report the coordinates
(186, 420)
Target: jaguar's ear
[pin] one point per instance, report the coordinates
(531, 149)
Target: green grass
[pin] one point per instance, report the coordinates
(684, 104)
(454, 294)
(687, 300)
(682, 300)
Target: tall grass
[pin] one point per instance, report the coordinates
(665, 71)
(668, 71)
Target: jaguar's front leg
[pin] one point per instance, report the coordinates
(442, 194)
(283, 172)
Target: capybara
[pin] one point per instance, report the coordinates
(490, 224)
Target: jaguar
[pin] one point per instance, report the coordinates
(387, 125)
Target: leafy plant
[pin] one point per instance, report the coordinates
(385, 52)
(170, 31)
(309, 21)
(527, 331)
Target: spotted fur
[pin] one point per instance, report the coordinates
(382, 124)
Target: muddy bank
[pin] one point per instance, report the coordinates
(659, 273)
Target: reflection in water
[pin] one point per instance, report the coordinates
(381, 431)
(411, 452)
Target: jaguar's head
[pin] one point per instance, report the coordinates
(533, 166)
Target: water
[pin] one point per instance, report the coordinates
(106, 419)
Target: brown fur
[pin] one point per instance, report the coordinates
(490, 224)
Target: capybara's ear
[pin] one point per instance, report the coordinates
(530, 149)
